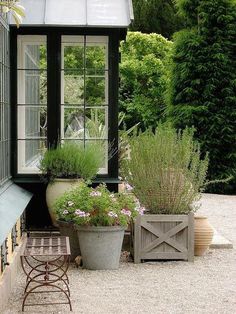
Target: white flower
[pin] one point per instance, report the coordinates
(65, 212)
(95, 193)
(69, 203)
(113, 215)
(128, 187)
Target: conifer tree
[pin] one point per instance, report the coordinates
(203, 83)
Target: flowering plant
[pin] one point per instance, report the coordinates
(97, 207)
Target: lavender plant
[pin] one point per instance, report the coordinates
(166, 170)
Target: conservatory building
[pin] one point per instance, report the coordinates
(59, 83)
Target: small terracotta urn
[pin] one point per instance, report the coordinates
(203, 234)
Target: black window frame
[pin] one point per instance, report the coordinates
(54, 89)
(5, 105)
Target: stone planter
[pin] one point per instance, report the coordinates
(67, 229)
(55, 190)
(203, 234)
(164, 237)
(100, 246)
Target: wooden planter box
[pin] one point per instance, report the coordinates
(164, 237)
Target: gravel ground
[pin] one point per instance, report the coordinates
(206, 286)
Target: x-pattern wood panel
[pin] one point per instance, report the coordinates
(152, 241)
(164, 237)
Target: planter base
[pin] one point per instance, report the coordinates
(164, 237)
(100, 246)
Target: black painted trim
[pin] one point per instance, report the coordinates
(53, 57)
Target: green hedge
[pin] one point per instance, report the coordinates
(202, 91)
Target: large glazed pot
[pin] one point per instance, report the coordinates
(54, 190)
(203, 234)
(67, 229)
(100, 246)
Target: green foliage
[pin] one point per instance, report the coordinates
(17, 10)
(143, 80)
(72, 161)
(156, 16)
(203, 83)
(166, 170)
(96, 207)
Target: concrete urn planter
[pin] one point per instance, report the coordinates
(67, 229)
(203, 234)
(54, 190)
(100, 246)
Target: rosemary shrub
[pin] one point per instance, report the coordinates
(166, 170)
(71, 161)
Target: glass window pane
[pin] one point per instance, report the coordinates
(73, 87)
(104, 146)
(73, 123)
(35, 56)
(96, 58)
(33, 87)
(74, 57)
(95, 90)
(29, 154)
(35, 125)
(96, 126)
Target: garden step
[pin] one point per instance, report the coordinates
(220, 242)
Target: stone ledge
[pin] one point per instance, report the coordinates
(8, 279)
(220, 242)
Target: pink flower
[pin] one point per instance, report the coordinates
(126, 212)
(69, 203)
(81, 213)
(140, 209)
(65, 212)
(113, 215)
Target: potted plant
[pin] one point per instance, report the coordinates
(64, 166)
(100, 218)
(167, 173)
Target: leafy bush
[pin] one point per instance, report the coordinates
(72, 161)
(143, 80)
(203, 83)
(165, 170)
(96, 207)
(156, 16)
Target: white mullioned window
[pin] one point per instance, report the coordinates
(31, 102)
(84, 91)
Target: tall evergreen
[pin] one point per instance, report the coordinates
(156, 16)
(203, 83)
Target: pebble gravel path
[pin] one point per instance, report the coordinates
(206, 286)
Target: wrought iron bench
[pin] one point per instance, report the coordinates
(45, 261)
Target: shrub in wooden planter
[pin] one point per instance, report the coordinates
(167, 173)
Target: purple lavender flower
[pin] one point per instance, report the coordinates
(81, 213)
(126, 212)
(113, 215)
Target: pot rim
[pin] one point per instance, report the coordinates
(100, 228)
(200, 217)
(66, 179)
